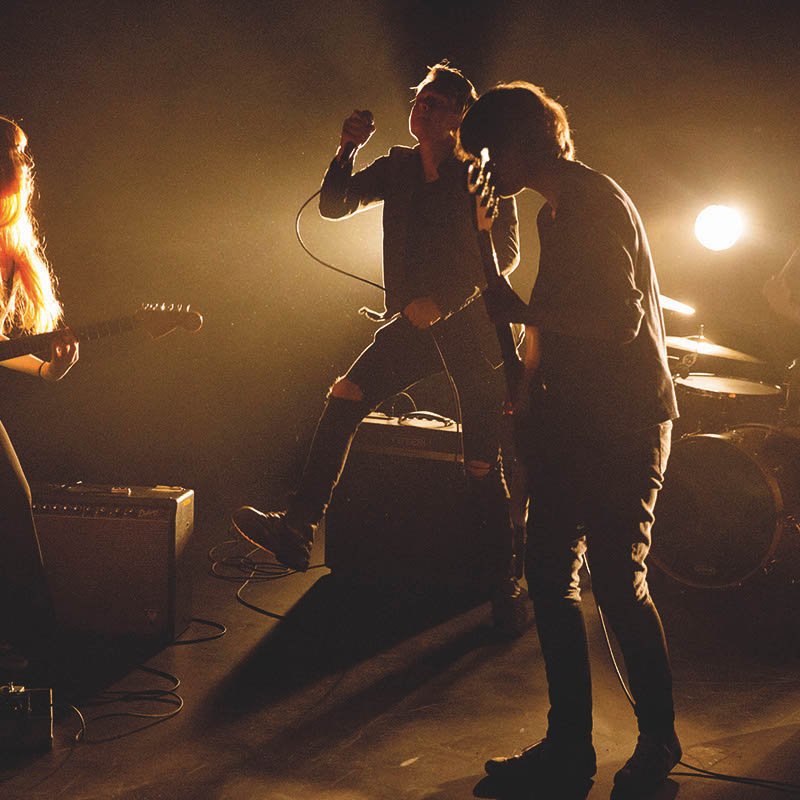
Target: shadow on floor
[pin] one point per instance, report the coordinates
(343, 633)
(336, 625)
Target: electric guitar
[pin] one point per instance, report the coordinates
(479, 183)
(158, 319)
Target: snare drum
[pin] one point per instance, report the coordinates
(711, 403)
(726, 502)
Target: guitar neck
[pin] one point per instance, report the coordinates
(505, 336)
(40, 342)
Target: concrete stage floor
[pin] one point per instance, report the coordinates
(344, 694)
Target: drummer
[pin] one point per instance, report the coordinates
(782, 300)
(779, 296)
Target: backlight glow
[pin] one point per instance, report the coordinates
(718, 227)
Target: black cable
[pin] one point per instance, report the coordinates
(457, 401)
(319, 260)
(259, 571)
(392, 401)
(763, 783)
(82, 732)
(108, 697)
(218, 625)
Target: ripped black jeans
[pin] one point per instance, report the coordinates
(399, 356)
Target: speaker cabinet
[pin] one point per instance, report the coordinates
(115, 557)
(399, 516)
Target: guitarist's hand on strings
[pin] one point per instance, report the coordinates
(63, 355)
(422, 312)
(485, 214)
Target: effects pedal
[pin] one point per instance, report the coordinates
(26, 719)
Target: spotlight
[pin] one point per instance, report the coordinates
(718, 227)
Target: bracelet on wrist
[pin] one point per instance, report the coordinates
(41, 367)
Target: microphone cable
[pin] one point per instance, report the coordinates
(319, 260)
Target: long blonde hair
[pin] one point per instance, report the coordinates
(28, 301)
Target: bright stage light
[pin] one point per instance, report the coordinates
(718, 227)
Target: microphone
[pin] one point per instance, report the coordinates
(349, 149)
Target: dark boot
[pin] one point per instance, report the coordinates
(648, 767)
(544, 769)
(289, 534)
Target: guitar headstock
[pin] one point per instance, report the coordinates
(159, 319)
(481, 184)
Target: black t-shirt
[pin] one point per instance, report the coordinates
(596, 303)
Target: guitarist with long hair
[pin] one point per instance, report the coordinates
(28, 304)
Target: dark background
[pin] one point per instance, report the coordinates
(174, 143)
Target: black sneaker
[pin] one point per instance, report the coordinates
(272, 533)
(648, 767)
(511, 608)
(543, 765)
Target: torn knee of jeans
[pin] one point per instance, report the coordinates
(478, 469)
(345, 389)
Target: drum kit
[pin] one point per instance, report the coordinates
(731, 499)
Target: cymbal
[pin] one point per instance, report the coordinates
(668, 304)
(705, 347)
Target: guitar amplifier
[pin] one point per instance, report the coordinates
(399, 516)
(115, 557)
(422, 435)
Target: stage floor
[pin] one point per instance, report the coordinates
(348, 694)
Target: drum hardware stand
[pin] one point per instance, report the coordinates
(792, 524)
(789, 409)
(685, 365)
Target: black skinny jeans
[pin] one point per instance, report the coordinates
(600, 497)
(26, 614)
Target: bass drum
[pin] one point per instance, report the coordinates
(726, 501)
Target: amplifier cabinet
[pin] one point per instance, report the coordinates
(115, 557)
(399, 517)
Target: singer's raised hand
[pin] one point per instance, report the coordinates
(356, 131)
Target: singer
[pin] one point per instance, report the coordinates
(599, 429)
(432, 270)
(28, 304)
